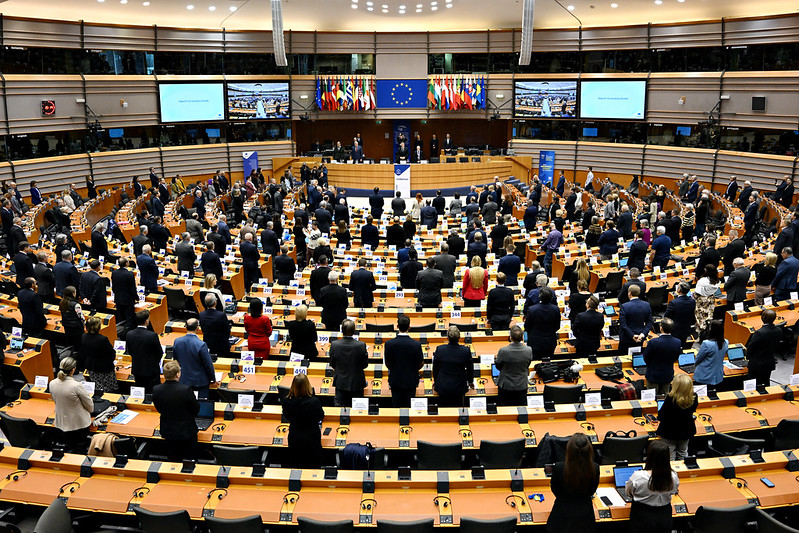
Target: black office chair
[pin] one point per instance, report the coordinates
(656, 296)
(427, 328)
(21, 432)
(498, 525)
(432, 456)
(54, 519)
(417, 526)
(174, 522)
(631, 449)
(239, 455)
(465, 327)
(250, 524)
(378, 460)
(176, 304)
(308, 525)
(380, 328)
(786, 435)
(506, 454)
(563, 393)
(722, 520)
(5, 527)
(722, 445)
(128, 447)
(768, 524)
(610, 392)
(232, 395)
(8, 323)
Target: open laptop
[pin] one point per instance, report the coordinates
(205, 417)
(494, 373)
(639, 366)
(736, 356)
(687, 362)
(15, 345)
(621, 474)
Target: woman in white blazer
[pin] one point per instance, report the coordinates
(73, 406)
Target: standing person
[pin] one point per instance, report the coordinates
(303, 334)
(785, 279)
(574, 482)
(638, 251)
(513, 362)
(304, 413)
(72, 318)
(588, 328)
(578, 299)
(553, 241)
(682, 311)
(362, 285)
(453, 370)
(446, 264)
(250, 258)
(215, 327)
(258, 327)
(45, 279)
(376, 203)
(511, 265)
(184, 250)
(178, 407)
(500, 304)
(429, 283)
(705, 296)
(761, 348)
(736, 283)
(123, 286)
(144, 347)
(73, 406)
(98, 356)
(348, 358)
(635, 321)
(334, 302)
(542, 324)
(710, 358)
(676, 416)
(661, 249)
(194, 359)
(404, 359)
(148, 270)
(660, 354)
(475, 284)
(651, 490)
(32, 309)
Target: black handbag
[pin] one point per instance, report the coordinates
(609, 373)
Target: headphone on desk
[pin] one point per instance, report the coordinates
(443, 501)
(512, 503)
(222, 493)
(368, 506)
(141, 492)
(291, 497)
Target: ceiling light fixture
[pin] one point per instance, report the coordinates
(233, 8)
(145, 4)
(354, 6)
(211, 8)
(384, 10)
(370, 3)
(433, 3)
(189, 7)
(101, 1)
(434, 8)
(418, 9)
(123, 1)
(449, 5)
(370, 8)
(658, 2)
(570, 8)
(614, 5)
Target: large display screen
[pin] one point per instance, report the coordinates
(191, 102)
(545, 99)
(624, 100)
(251, 101)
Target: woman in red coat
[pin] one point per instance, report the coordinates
(475, 284)
(258, 327)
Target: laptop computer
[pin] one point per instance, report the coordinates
(494, 373)
(623, 261)
(15, 345)
(639, 366)
(736, 356)
(205, 417)
(687, 362)
(621, 474)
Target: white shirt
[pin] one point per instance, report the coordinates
(705, 288)
(638, 488)
(589, 178)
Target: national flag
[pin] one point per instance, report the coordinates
(364, 94)
(356, 96)
(481, 94)
(444, 94)
(348, 93)
(456, 100)
(318, 93)
(431, 94)
(438, 93)
(328, 97)
(340, 95)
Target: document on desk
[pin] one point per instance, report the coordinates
(612, 495)
(124, 417)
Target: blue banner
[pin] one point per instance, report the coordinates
(546, 166)
(401, 94)
(401, 127)
(250, 161)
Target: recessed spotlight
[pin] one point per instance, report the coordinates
(658, 2)
(419, 5)
(101, 1)
(123, 1)
(384, 6)
(448, 1)
(449, 5)
(370, 3)
(681, 1)
(233, 8)
(354, 6)
(145, 4)
(384, 10)
(370, 8)
(433, 3)
(614, 5)
(570, 8)
(434, 8)
(189, 7)
(418, 9)
(211, 8)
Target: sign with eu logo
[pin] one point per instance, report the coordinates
(401, 94)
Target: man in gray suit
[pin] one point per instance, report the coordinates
(186, 256)
(446, 264)
(735, 285)
(429, 283)
(348, 358)
(513, 362)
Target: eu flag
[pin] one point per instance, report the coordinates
(401, 94)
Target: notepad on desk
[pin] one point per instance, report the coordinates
(124, 417)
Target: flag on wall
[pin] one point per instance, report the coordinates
(401, 93)
(456, 92)
(350, 94)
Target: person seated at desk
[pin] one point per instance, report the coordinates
(513, 362)
(404, 359)
(98, 356)
(676, 416)
(258, 327)
(453, 370)
(348, 358)
(73, 406)
(710, 358)
(178, 408)
(574, 482)
(216, 327)
(304, 413)
(144, 347)
(651, 489)
(302, 333)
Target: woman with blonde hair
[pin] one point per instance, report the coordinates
(764, 278)
(303, 334)
(209, 285)
(475, 283)
(73, 406)
(304, 413)
(676, 416)
(416, 207)
(580, 272)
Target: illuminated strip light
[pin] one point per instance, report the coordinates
(526, 50)
(277, 34)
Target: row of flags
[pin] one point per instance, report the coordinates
(451, 93)
(345, 94)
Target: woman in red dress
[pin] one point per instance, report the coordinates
(258, 327)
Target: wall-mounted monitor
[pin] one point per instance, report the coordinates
(685, 131)
(191, 102)
(116, 133)
(257, 101)
(545, 99)
(590, 132)
(623, 100)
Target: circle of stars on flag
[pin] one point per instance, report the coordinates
(401, 101)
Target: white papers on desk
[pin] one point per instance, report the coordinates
(612, 495)
(124, 417)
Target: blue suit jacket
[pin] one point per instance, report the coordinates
(196, 367)
(785, 279)
(561, 185)
(750, 217)
(682, 310)
(362, 284)
(635, 317)
(158, 207)
(148, 271)
(660, 355)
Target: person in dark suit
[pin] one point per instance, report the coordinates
(362, 285)
(588, 328)
(16, 237)
(376, 203)
(404, 359)
(153, 178)
(45, 279)
(746, 193)
(500, 304)
(357, 153)
(159, 235)
(304, 413)
(573, 483)
(178, 408)
(148, 270)
(735, 248)
(270, 243)
(434, 151)
(184, 250)
(635, 321)
(561, 186)
(660, 354)
(93, 288)
(31, 308)
(429, 215)
(751, 214)
(302, 333)
(319, 279)
(395, 234)
(634, 278)
(158, 206)
(449, 145)
(429, 283)
(709, 256)
(732, 189)
(456, 243)
(682, 311)
(210, 262)
(762, 347)
(736, 283)
(338, 152)
(453, 370)
(348, 358)
(370, 234)
(7, 217)
(65, 273)
(145, 351)
(199, 203)
(216, 327)
(23, 263)
(214, 236)
(402, 154)
(513, 362)
(638, 252)
(440, 203)
(542, 324)
(284, 266)
(250, 259)
(446, 263)
(784, 282)
(334, 302)
(477, 248)
(141, 239)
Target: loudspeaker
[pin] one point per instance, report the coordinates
(758, 103)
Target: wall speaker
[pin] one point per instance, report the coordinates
(758, 103)
(526, 49)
